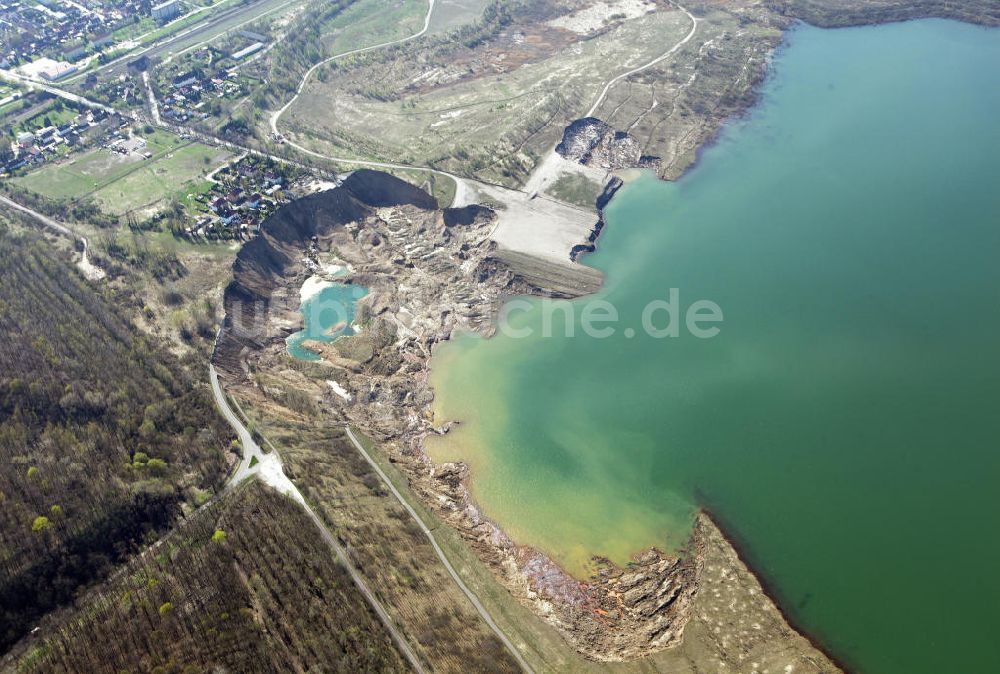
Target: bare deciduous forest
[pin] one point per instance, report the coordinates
(245, 585)
(104, 435)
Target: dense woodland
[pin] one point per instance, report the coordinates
(104, 435)
(245, 585)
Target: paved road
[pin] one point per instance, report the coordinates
(483, 613)
(268, 466)
(252, 453)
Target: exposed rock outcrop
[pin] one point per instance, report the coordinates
(287, 237)
(466, 215)
(603, 200)
(593, 142)
(426, 280)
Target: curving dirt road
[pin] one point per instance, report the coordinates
(549, 168)
(276, 115)
(612, 82)
(461, 189)
(483, 613)
(90, 271)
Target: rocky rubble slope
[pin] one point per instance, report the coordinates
(592, 142)
(430, 273)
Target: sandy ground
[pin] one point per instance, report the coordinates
(313, 286)
(272, 474)
(554, 165)
(539, 227)
(592, 18)
(90, 271)
(338, 389)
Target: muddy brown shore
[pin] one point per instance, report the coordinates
(431, 272)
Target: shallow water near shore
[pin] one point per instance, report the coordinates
(843, 424)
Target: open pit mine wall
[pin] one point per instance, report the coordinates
(284, 238)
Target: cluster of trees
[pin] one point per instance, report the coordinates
(103, 434)
(119, 251)
(299, 51)
(66, 210)
(246, 585)
(496, 17)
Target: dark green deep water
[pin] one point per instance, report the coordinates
(845, 423)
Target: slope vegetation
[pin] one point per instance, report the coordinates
(246, 585)
(104, 435)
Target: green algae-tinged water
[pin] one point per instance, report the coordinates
(845, 424)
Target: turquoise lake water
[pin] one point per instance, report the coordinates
(845, 422)
(327, 315)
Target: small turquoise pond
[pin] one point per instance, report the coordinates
(328, 315)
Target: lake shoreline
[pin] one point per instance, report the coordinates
(437, 485)
(743, 551)
(739, 545)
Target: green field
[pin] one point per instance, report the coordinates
(177, 174)
(10, 107)
(451, 14)
(576, 189)
(120, 183)
(371, 22)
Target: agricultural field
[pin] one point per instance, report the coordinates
(179, 174)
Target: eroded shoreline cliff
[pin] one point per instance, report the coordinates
(431, 272)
